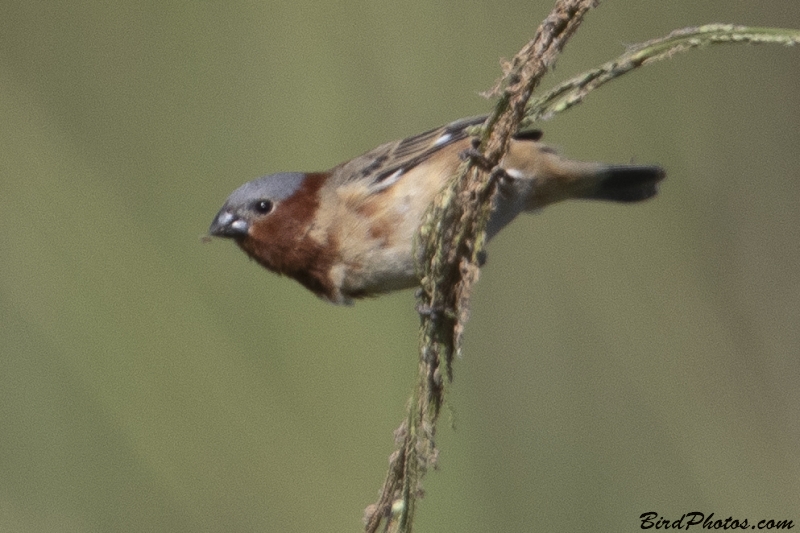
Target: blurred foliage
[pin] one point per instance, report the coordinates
(619, 360)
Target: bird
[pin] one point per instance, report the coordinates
(348, 232)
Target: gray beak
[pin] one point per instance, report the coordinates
(226, 224)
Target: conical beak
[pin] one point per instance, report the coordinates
(228, 225)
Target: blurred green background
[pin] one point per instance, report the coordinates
(620, 359)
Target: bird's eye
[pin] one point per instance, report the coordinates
(263, 206)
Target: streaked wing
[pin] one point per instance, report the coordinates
(386, 163)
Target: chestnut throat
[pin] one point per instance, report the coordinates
(281, 242)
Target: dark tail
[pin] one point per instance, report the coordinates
(628, 183)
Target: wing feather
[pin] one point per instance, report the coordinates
(387, 163)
